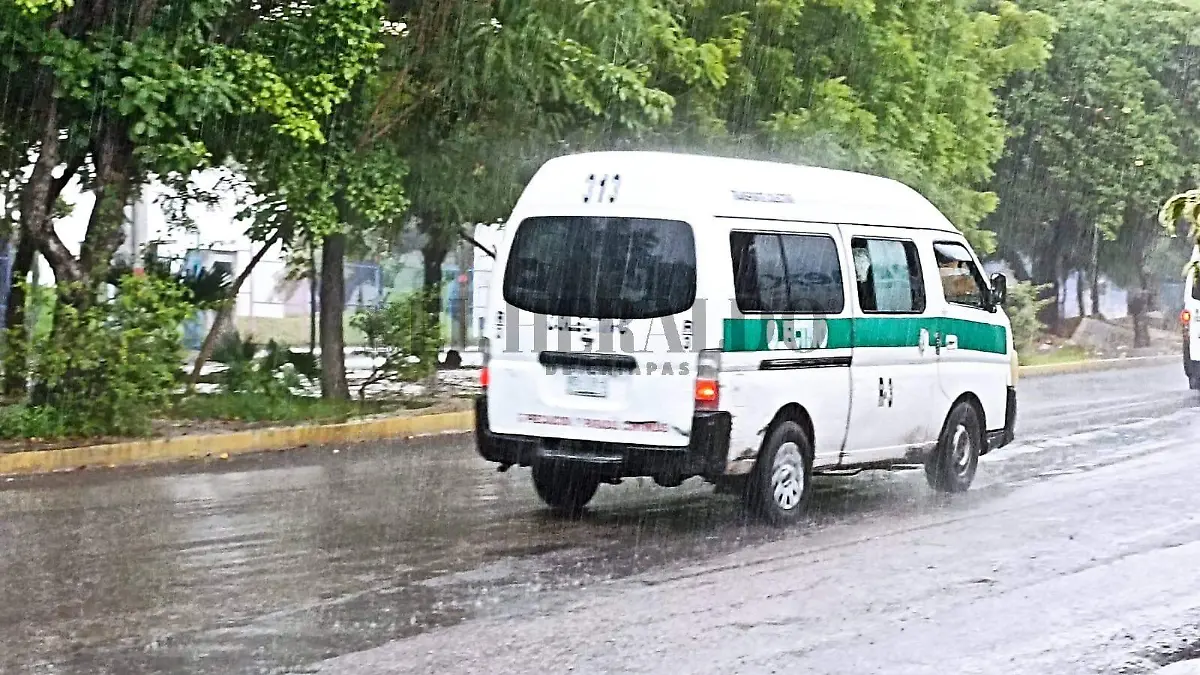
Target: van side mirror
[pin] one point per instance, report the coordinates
(999, 290)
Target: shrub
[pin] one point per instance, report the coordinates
(24, 421)
(275, 374)
(108, 368)
(1022, 309)
(406, 334)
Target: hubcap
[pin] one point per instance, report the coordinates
(962, 449)
(787, 476)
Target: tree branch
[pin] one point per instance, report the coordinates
(60, 183)
(476, 244)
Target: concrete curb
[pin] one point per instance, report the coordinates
(1100, 365)
(284, 438)
(237, 443)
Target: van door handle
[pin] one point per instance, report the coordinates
(951, 342)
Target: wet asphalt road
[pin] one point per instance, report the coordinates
(1078, 550)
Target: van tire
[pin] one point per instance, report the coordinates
(779, 488)
(564, 488)
(952, 466)
(1194, 382)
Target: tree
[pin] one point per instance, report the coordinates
(903, 89)
(1097, 138)
(487, 90)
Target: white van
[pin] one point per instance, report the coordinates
(750, 323)
(1190, 321)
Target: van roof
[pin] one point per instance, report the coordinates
(729, 187)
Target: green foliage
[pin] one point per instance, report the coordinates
(276, 373)
(172, 73)
(1099, 137)
(1022, 306)
(205, 288)
(900, 88)
(22, 421)
(243, 407)
(106, 369)
(404, 334)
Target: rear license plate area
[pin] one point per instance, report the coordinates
(592, 385)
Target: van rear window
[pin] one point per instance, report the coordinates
(602, 268)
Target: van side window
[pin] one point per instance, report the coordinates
(962, 283)
(889, 276)
(786, 273)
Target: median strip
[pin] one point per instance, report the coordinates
(236, 443)
(225, 445)
(1096, 365)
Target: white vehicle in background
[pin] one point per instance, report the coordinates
(1190, 322)
(749, 323)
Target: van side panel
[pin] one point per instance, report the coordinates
(894, 374)
(783, 361)
(974, 354)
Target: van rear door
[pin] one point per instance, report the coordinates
(594, 342)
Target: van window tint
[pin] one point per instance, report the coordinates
(786, 273)
(602, 268)
(962, 283)
(888, 272)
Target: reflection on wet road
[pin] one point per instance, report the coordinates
(274, 563)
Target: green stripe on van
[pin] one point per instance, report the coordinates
(754, 335)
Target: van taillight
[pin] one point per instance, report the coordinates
(1185, 317)
(708, 388)
(484, 352)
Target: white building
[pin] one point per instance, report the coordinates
(489, 236)
(219, 239)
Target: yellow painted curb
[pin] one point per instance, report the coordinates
(1100, 365)
(236, 443)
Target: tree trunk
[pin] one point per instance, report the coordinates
(1080, 282)
(1053, 310)
(36, 204)
(1095, 272)
(1141, 329)
(313, 282)
(433, 254)
(1140, 305)
(16, 364)
(113, 157)
(226, 311)
(333, 309)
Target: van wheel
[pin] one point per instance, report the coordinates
(952, 466)
(1194, 382)
(563, 487)
(779, 488)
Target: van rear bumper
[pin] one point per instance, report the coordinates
(705, 454)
